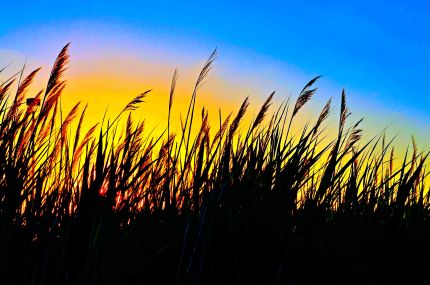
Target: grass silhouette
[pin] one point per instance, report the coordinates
(256, 207)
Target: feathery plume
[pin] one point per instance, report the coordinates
(4, 89)
(52, 99)
(344, 112)
(323, 115)
(78, 129)
(238, 118)
(132, 105)
(353, 138)
(79, 150)
(20, 94)
(172, 88)
(263, 111)
(69, 118)
(206, 69)
(414, 153)
(305, 95)
(58, 69)
(222, 129)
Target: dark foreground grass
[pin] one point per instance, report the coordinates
(212, 206)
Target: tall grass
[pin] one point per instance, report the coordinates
(219, 205)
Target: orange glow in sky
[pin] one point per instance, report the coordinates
(109, 66)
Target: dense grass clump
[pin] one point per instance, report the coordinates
(212, 206)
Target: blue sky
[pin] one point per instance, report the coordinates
(380, 49)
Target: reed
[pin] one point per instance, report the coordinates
(261, 207)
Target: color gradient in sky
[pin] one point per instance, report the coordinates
(379, 51)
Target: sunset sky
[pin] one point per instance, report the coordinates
(379, 51)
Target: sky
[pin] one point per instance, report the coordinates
(379, 51)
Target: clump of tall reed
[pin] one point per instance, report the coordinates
(264, 205)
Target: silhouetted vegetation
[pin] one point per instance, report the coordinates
(212, 206)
